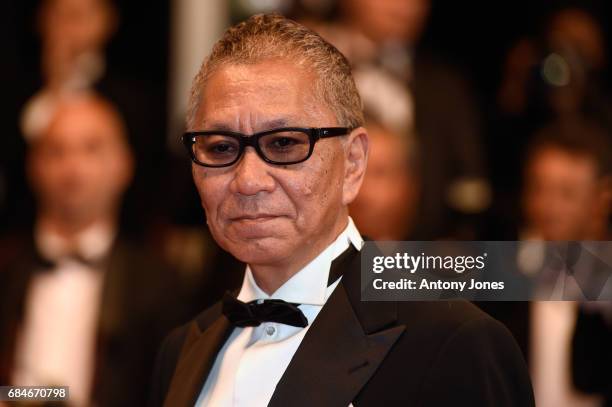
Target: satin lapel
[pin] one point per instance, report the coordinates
(335, 359)
(195, 362)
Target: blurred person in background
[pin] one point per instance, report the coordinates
(567, 182)
(557, 74)
(387, 203)
(568, 196)
(386, 34)
(386, 206)
(74, 36)
(81, 305)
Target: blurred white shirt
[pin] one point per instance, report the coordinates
(552, 327)
(57, 340)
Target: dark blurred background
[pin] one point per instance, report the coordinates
(488, 120)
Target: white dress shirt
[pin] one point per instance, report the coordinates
(253, 359)
(56, 343)
(552, 327)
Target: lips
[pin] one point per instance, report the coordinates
(254, 218)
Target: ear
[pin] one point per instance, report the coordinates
(356, 158)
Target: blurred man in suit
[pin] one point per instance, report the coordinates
(81, 306)
(74, 40)
(279, 150)
(385, 208)
(568, 196)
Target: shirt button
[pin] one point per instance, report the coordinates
(270, 330)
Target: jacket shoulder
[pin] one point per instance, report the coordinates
(170, 351)
(480, 351)
(440, 315)
(452, 353)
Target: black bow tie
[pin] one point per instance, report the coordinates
(48, 265)
(253, 313)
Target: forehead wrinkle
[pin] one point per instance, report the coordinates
(280, 122)
(239, 85)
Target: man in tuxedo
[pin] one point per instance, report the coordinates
(279, 151)
(82, 305)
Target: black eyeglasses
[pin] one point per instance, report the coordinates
(284, 146)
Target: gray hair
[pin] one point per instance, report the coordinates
(268, 36)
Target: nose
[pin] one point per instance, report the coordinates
(252, 175)
(72, 163)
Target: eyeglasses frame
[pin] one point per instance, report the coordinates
(244, 141)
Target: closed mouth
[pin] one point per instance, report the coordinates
(258, 217)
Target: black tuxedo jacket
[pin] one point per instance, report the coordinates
(137, 308)
(592, 355)
(446, 353)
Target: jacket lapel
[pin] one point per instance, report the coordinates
(196, 360)
(335, 359)
(343, 348)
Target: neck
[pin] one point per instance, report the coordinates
(271, 277)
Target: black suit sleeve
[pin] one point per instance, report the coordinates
(165, 364)
(479, 365)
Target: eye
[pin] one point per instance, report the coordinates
(221, 148)
(284, 141)
(216, 146)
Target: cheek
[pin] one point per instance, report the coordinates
(206, 189)
(297, 194)
(319, 193)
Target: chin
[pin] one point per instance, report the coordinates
(246, 230)
(265, 250)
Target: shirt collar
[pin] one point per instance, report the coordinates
(309, 285)
(92, 243)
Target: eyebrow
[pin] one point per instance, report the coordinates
(272, 124)
(268, 125)
(218, 126)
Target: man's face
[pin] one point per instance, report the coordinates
(80, 166)
(389, 20)
(562, 196)
(386, 205)
(75, 26)
(267, 214)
